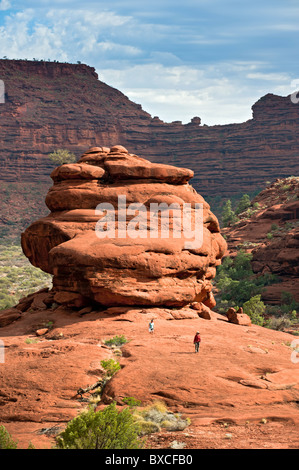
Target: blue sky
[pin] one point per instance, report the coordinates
(207, 58)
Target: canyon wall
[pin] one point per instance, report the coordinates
(51, 105)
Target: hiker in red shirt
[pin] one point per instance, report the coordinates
(196, 341)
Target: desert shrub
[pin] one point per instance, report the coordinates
(111, 366)
(236, 282)
(243, 204)
(18, 277)
(131, 401)
(7, 301)
(228, 215)
(105, 429)
(6, 441)
(288, 302)
(278, 323)
(147, 427)
(284, 315)
(61, 156)
(116, 341)
(255, 308)
(156, 416)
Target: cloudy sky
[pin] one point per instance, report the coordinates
(207, 58)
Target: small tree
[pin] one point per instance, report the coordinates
(255, 308)
(106, 429)
(111, 366)
(61, 156)
(243, 204)
(6, 441)
(228, 215)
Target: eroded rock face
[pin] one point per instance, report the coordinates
(271, 234)
(131, 263)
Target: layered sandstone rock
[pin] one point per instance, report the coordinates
(270, 231)
(59, 105)
(128, 260)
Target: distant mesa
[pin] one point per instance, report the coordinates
(51, 105)
(124, 270)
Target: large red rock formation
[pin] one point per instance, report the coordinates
(146, 267)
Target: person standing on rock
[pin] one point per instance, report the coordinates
(197, 341)
(151, 326)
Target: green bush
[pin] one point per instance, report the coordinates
(6, 441)
(131, 401)
(228, 215)
(255, 308)
(106, 429)
(278, 323)
(116, 341)
(236, 282)
(111, 366)
(61, 156)
(156, 416)
(243, 204)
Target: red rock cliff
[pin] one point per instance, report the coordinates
(51, 105)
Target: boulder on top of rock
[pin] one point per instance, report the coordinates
(125, 231)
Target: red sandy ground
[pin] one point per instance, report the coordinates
(240, 391)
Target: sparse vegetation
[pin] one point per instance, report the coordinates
(61, 156)
(18, 278)
(7, 442)
(255, 309)
(228, 215)
(156, 416)
(116, 341)
(238, 286)
(110, 366)
(243, 204)
(106, 429)
(283, 316)
(236, 282)
(131, 402)
(31, 340)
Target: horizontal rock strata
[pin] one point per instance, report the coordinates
(139, 266)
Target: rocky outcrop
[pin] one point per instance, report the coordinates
(269, 229)
(56, 105)
(125, 231)
(238, 317)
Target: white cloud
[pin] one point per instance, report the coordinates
(175, 71)
(5, 5)
(271, 77)
(219, 94)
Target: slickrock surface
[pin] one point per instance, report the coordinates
(137, 269)
(240, 391)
